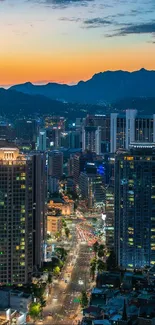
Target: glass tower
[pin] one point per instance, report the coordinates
(135, 206)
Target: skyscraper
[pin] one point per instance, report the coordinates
(102, 121)
(26, 129)
(41, 145)
(130, 127)
(92, 187)
(55, 164)
(135, 206)
(21, 214)
(91, 139)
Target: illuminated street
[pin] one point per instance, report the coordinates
(64, 305)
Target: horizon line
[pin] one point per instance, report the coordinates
(71, 83)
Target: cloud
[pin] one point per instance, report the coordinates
(96, 22)
(70, 19)
(64, 3)
(144, 28)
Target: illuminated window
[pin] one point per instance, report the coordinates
(22, 263)
(23, 186)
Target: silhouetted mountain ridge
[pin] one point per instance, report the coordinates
(107, 87)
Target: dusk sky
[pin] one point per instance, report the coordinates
(67, 41)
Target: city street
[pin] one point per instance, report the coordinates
(64, 304)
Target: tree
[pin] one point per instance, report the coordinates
(101, 266)
(42, 303)
(84, 299)
(95, 247)
(111, 261)
(38, 290)
(61, 252)
(93, 264)
(58, 234)
(64, 224)
(101, 251)
(49, 278)
(48, 237)
(34, 310)
(67, 232)
(56, 271)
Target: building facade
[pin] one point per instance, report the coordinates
(21, 215)
(135, 206)
(131, 127)
(55, 164)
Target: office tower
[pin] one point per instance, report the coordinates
(70, 139)
(74, 139)
(102, 121)
(79, 123)
(64, 139)
(41, 145)
(53, 135)
(91, 139)
(92, 188)
(53, 185)
(109, 221)
(21, 214)
(135, 206)
(55, 164)
(26, 129)
(78, 164)
(6, 131)
(39, 175)
(117, 132)
(131, 127)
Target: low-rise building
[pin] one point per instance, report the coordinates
(63, 206)
(54, 224)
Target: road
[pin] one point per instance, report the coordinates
(63, 305)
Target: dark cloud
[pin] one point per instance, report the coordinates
(144, 28)
(96, 22)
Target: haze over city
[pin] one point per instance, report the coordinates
(67, 41)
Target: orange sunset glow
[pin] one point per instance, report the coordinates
(42, 43)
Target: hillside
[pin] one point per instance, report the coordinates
(105, 87)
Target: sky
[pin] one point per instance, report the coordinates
(67, 41)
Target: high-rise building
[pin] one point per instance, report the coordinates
(102, 121)
(74, 139)
(109, 221)
(55, 164)
(78, 163)
(7, 132)
(92, 189)
(135, 206)
(41, 141)
(26, 129)
(53, 185)
(91, 139)
(39, 175)
(21, 214)
(125, 129)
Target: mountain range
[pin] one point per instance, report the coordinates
(105, 87)
(104, 93)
